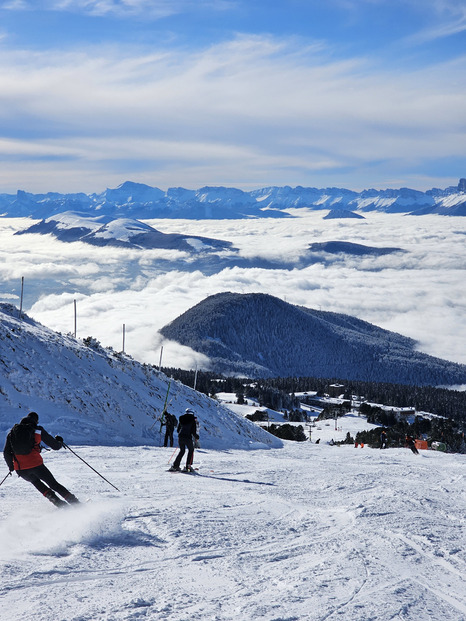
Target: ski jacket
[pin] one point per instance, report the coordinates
(187, 426)
(171, 421)
(34, 458)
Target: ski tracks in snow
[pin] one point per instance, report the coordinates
(307, 532)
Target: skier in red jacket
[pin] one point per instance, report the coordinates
(30, 466)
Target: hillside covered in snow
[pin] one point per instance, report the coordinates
(136, 200)
(97, 396)
(121, 232)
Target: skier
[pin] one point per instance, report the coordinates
(186, 432)
(383, 439)
(410, 443)
(170, 424)
(28, 461)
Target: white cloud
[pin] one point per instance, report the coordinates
(450, 19)
(252, 111)
(419, 294)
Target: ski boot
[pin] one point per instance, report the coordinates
(50, 495)
(71, 499)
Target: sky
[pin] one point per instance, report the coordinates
(244, 93)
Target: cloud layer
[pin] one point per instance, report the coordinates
(419, 293)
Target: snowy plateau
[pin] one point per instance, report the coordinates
(264, 529)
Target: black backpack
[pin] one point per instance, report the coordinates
(22, 438)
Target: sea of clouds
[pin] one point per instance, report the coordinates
(419, 293)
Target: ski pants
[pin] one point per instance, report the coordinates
(39, 476)
(185, 443)
(168, 436)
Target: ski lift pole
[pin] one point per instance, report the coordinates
(102, 477)
(5, 478)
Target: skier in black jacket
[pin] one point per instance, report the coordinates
(170, 424)
(31, 467)
(187, 432)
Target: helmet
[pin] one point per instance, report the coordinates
(188, 411)
(33, 416)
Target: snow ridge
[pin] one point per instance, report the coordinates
(95, 396)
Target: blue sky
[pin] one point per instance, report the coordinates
(245, 93)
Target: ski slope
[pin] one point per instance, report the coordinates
(307, 532)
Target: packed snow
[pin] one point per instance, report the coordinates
(309, 531)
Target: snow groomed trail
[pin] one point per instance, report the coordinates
(306, 532)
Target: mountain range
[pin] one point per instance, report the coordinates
(97, 396)
(137, 200)
(258, 335)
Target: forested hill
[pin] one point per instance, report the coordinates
(258, 335)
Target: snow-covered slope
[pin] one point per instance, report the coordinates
(310, 532)
(121, 232)
(136, 200)
(94, 396)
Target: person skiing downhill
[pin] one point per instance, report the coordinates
(410, 443)
(30, 465)
(186, 432)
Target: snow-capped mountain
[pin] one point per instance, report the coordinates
(140, 201)
(259, 335)
(123, 232)
(96, 396)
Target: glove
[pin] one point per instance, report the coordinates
(59, 439)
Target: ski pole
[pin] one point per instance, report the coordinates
(172, 455)
(9, 475)
(102, 477)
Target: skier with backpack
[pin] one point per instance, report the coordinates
(170, 424)
(187, 432)
(22, 454)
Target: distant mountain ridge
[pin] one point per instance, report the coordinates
(258, 335)
(141, 201)
(121, 232)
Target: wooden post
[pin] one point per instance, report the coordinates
(75, 318)
(195, 378)
(21, 303)
(124, 330)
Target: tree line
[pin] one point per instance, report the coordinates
(279, 393)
